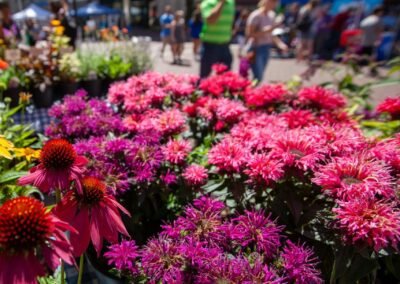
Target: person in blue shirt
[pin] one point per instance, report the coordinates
(165, 21)
(195, 25)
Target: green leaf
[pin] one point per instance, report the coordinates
(11, 175)
(359, 269)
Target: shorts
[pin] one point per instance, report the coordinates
(306, 35)
(166, 38)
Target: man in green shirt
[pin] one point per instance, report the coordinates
(218, 16)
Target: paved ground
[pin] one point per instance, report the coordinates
(278, 70)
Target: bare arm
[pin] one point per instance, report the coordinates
(216, 12)
(251, 30)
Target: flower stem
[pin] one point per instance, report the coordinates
(81, 264)
(58, 200)
(58, 195)
(62, 273)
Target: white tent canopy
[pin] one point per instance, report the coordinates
(32, 12)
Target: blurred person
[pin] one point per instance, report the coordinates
(290, 21)
(305, 22)
(178, 35)
(195, 26)
(259, 28)
(322, 30)
(30, 32)
(340, 22)
(218, 17)
(10, 32)
(240, 29)
(165, 22)
(59, 10)
(371, 27)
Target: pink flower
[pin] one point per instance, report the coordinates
(357, 176)
(195, 175)
(388, 151)
(300, 264)
(264, 170)
(390, 106)
(169, 178)
(296, 149)
(219, 68)
(170, 122)
(321, 98)
(254, 229)
(229, 110)
(59, 165)
(29, 233)
(123, 256)
(299, 118)
(266, 95)
(371, 222)
(94, 214)
(176, 151)
(228, 156)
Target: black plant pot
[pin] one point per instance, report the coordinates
(106, 83)
(13, 94)
(93, 87)
(65, 88)
(43, 99)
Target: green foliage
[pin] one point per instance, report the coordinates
(18, 138)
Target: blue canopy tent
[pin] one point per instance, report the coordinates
(32, 12)
(95, 9)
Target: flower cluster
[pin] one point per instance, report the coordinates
(205, 245)
(78, 117)
(390, 106)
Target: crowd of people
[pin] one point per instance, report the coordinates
(307, 32)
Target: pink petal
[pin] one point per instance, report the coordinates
(95, 234)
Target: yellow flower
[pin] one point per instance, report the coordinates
(24, 98)
(55, 23)
(59, 30)
(28, 153)
(5, 147)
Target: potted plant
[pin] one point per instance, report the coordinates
(12, 82)
(69, 73)
(40, 71)
(90, 75)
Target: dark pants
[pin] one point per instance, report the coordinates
(214, 53)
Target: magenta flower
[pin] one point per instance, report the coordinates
(228, 156)
(31, 239)
(261, 169)
(176, 151)
(300, 264)
(202, 222)
(162, 261)
(254, 230)
(370, 222)
(59, 165)
(357, 176)
(94, 213)
(195, 175)
(123, 256)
